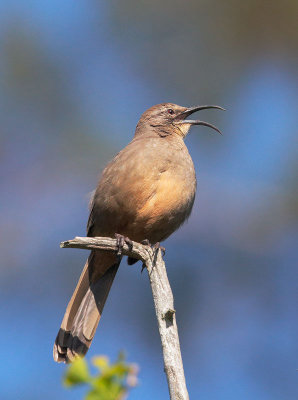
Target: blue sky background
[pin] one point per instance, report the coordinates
(74, 79)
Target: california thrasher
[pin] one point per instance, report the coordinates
(145, 193)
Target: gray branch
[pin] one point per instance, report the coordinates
(163, 303)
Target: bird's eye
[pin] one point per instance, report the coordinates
(170, 111)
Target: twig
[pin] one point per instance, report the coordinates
(163, 303)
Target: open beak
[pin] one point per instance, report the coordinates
(180, 119)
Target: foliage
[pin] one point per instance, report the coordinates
(112, 381)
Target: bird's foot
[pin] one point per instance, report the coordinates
(155, 246)
(121, 240)
(146, 242)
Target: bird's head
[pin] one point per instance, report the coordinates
(168, 119)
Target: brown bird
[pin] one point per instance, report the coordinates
(145, 193)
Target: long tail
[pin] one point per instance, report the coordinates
(85, 307)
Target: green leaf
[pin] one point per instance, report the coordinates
(77, 373)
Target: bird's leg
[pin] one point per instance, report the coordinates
(121, 240)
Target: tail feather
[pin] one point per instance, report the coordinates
(85, 307)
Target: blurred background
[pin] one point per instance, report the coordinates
(74, 80)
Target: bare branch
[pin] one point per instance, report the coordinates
(163, 303)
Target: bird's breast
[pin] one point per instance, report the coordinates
(172, 196)
(168, 200)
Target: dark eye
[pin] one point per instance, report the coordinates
(170, 111)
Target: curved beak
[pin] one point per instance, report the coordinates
(180, 119)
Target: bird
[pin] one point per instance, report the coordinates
(145, 193)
